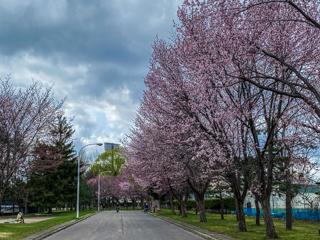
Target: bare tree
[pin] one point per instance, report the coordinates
(25, 115)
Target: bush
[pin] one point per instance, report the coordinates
(191, 204)
(213, 204)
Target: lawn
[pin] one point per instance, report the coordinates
(20, 231)
(301, 229)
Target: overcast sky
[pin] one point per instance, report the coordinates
(95, 53)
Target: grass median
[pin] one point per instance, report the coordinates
(20, 231)
(301, 229)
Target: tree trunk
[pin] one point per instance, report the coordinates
(26, 205)
(256, 202)
(0, 202)
(183, 209)
(289, 218)
(201, 207)
(172, 205)
(270, 229)
(184, 206)
(221, 207)
(240, 215)
(1, 194)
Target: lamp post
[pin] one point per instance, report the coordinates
(78, 170)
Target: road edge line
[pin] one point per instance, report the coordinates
(190, 228)
(54, 229)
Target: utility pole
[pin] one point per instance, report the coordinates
(78, 175)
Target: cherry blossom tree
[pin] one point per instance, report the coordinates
(166, 165)
(286, 35)
(169, 98)
(306, 10)
(219, 53)
(155, 166)
(204, 112)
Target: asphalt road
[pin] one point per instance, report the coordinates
(125, 225)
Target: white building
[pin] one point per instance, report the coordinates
(307, 198)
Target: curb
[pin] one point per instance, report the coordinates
(195, 230)
(52, 230)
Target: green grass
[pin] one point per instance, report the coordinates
(20, 231)
(301, 229)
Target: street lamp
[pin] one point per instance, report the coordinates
(78, 178)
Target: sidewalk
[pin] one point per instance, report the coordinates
(196, 230)
(48, 232)
(27, 219)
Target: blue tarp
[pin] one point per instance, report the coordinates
(299, 214)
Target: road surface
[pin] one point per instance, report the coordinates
(125, 225)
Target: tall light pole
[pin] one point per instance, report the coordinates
(78, 177)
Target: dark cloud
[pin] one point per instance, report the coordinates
(94, 52)
(85, 30)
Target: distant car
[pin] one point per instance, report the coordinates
(7, 209)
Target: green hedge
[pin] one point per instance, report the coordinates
(213, 204)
